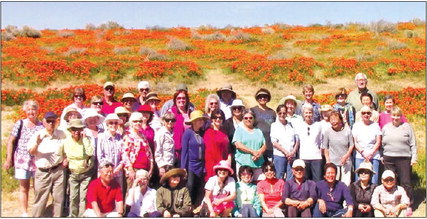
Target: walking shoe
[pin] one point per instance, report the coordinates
(408, 212)
(24, 215)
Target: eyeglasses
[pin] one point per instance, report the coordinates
(51, 121)
(217, 117)
(364, 172)
(113, 123)
(213, 103)
(98, 103)
(79, 96)
(128, 100)
(366, 113)
(308, 131)
(237, 108)
(389, 179)
(281, 113)
(299, 169)
(170, 120)
(248, 118)
(109, 89)
(137, 121)
(76, 129)
(144, 89)
(269, 170)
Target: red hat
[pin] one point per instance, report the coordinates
(145, 108)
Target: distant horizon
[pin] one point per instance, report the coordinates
(146, 15)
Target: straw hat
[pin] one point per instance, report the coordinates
(290, 97)
(325, 108)
(76, 123)
(196, 114)
(152, 96)
(128, 96)
(88, 113)
(173, 172)
(365, 166)
(223, 164)
(121, 110)
(108, 83)
(112, 116)
(226, 87)
(237, 102)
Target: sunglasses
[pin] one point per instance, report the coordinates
(367, 172)
(76, 129)
(237, 108)
(170, 120)
(137, 121)
(128, 100)
(79, 96)
(98, 103)
(388, 179)
(51, 121)
(213, 103)
(366, 113)
(123, 115)
(299, 169)
(248, 118)
(144, 89)
(181, 98)
(109, 88)
(113, 123)
(217, 117)
(263, 97)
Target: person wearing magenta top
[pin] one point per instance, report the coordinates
(193, 155)
(182, 112)
(385, 116)
(270, 192)
(216, 143)
(109, 103)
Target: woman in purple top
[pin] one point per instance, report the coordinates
(182, 112)
(385, 116)
(19, 157)
(193, 154)
(331, 195)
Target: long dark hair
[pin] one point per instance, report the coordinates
(187, 98)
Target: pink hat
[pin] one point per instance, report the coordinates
(223, 164)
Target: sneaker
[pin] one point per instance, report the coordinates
(24, 215)
(409, 212)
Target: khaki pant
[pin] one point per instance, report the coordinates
(378, 213)
(44, 183)
(78, 189)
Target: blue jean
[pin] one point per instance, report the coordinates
(282, 165)
(375, 166)
(337, 213)
(313, 169)
(248, 210)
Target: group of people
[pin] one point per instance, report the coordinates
(136, 158)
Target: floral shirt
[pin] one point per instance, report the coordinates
(23, 160)
(132, 146)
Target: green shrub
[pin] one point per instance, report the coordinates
(382, 26)
(177, 44)
(65, 34)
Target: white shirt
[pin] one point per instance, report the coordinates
(136, 205)
(47, 154)
(284, 135)
(226, 109)
(366, 136)
(212, 185)
(164, 153)
(310, 140)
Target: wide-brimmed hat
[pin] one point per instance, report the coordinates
(298, 163)
(121, 110)
(90, 112)
(128, 96)
(223, 164)
(152, 96)
(388, 173)
(325, 108)
(226, 87)
(237, 102)
(181, 86)
(290, 97)
(70, 110)
(196, 114)
(173, 172)
(76, 123)
(108, 83)
(262, 92)
(145, 108)
(135, 116)
(366, 165)
(365, 109)
(112, 116)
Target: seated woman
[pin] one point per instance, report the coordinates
(270, 192)
(247, 202)
(140, 193)
(362, 190)
(173, 198)
(389, 200)
(331, 195)
(220, 190)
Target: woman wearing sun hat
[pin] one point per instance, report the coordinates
(128, 100)
(173, 198)
(220, 190)
(93, 122)
(110, 146)
(193, 155)
(362, 191)
(153, 101)
(123, 114)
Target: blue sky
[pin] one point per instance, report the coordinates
(75, 15)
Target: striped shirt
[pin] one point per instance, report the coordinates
(110, 147)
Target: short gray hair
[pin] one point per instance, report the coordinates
(306, 106)
(360, 74)
(30, 103)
